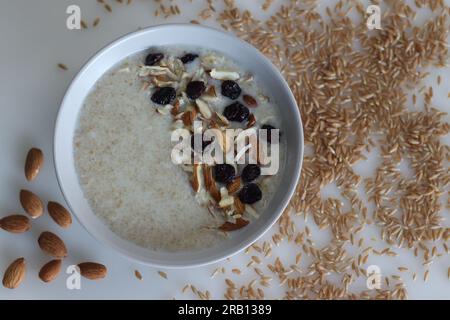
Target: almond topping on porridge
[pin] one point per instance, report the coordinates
(188, 117)
(234, 185)
(203, 108)
(164, 110)
(176, 108)
(196, 181)
(251, 120)
(224, 121)
(214, 192)
(145, 71)
(225, 142)
(190, 99)
(211, 91)
(210, 184)
(226, 202)
(239, 206)
(229, 226)
(224, 75)
(208, 178)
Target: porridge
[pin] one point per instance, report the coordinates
(126, 157)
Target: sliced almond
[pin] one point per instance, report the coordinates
(214, 192)
(211, 92)
(207, 177)
(224, 74)
(210, 95)
(225, 142)
(203, 108)
(226, 202)
(31, 203)
(251, 120)
(145, 71)
(59, 214)
(189, 117)
(223, 192)
(15, 274)
(33, 163)
(15, 223)
(176, 108)
(196, 181)
(50, 270)
(248, 78)
(162, 78)
(250, 101)
(161, 111)
(229, 226)
(239, 206)
(234, 185)
(222, 120)
(164, 110)
(92, 270)
(52, 245)
(213, 124)
(161, 84)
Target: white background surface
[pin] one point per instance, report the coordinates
(33, 39)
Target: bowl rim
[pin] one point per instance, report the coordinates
(282, 203)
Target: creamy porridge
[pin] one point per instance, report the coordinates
(124, 152)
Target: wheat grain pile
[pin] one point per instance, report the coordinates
(357, 91)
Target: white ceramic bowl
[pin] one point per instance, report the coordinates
(190, 35)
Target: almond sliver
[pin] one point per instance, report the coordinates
(224, 75)
(197, 178)
(226, 202)
(204, 108)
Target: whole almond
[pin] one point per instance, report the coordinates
(59, 214)
(15, 223)
(14, 274)
(31, 203)
(33, 163)
(50, 270)
(92, 270)
(52, 244)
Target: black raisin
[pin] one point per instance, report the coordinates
(250, 172)
(195, 89)
(269, 129)
(164, 95)
(231, 89)
(153, 58)
(250, 193)
(236, 112)
(204, 143)
(224, 173)
(189, 57)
